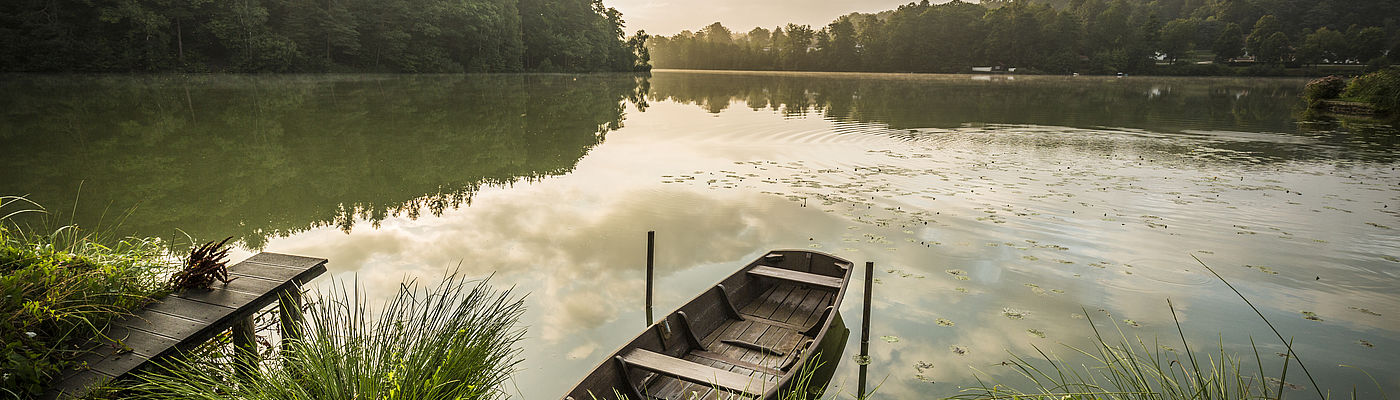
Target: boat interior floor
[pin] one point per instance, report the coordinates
(759, 347)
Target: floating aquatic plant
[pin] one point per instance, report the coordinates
(1311, 316)
(944, 322)
(1014, 313)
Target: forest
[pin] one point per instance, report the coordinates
(315, 36)
(1195, 37)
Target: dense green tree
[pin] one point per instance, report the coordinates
(1177, 38)
(1229, 44)
(312, 35)
(1264, 29)
(1366, 43)
(1323, 44)
(1058, 36)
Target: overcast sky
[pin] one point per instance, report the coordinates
(667, 17)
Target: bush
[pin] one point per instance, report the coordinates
(1324, 88)
(1381, 89)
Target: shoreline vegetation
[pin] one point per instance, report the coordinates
(402, 36)
(1374, 95)
(1171, 37)
(62, 286)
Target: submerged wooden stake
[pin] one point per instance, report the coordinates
(651, 253)
(865, 328)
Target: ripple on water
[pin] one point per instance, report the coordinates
(1150, 274)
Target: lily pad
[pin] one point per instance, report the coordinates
(861, 360)
(944, 322)
(1014, 313)
(1312, 316)
(922, 365)
(1365, 311)
(890, 338)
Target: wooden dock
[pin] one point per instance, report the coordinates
(183, 321)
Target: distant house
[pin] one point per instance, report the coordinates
(997, 68)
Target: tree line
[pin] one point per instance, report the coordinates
(315, 36)
(1057, 36)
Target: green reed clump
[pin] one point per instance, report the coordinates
(1133, 369)
(61, 287)
(1127, 369)
(455, 340)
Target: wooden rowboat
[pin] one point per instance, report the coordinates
(747, 337)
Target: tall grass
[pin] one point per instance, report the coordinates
(455, 340)
(1124, 368)
(60, 286)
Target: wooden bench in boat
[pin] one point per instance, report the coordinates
(832, 282)
(180, 322)
(695, 373)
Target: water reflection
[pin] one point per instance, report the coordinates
(261, 156)
(1002, 214)
(1161, 105)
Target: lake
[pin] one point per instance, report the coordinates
(1003, 213)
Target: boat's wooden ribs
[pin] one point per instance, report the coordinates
(695, 373)
(830, 282)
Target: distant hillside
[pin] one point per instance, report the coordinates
(1060, 36)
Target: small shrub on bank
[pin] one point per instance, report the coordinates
(61, 288)
(1381, 89)
(1325, 88)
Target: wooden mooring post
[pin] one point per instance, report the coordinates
(651, 266)
(180, 322)
(865, 328)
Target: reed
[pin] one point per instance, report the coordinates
(1123, 368)
(453, 340)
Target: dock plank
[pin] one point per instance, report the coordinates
(182, 321)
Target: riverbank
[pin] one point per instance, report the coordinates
(61, 286)
(1376, 94)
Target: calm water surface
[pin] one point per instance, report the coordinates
(1003, 213)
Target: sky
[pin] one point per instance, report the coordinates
(668, 17)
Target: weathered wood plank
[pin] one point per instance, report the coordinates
(287, 261)
(183, 321)
(265, 271)
(692, 372)
(168, 325)
(219, 297)
(797, 276)
(186, 308)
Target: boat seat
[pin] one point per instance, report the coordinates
(797, 276)
(694, 372)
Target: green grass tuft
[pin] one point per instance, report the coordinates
(455, 340)
(61, 286)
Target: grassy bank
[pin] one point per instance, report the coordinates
(1376, 94)
(61, 285)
